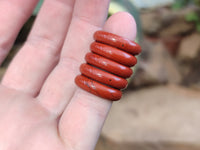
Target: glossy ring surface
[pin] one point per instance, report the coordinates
(108, 65)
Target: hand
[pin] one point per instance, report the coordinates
(40, 106)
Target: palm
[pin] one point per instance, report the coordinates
(26, 125)
(41, 108)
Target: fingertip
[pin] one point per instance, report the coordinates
(123, 24)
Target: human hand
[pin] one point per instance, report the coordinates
(41, 108)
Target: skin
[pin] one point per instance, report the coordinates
(41, 108)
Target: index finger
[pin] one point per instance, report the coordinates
(13, 15)
(83, 118)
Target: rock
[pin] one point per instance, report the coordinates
(178, 27)
(151, 22)
(172, 44)
(165, 22)
(155, 66)
(167, 16)
(174, 22)
(158, 118)
(189, 48)
(191, 75)
(195, 86)
(189, 62)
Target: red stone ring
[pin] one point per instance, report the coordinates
(108, 65)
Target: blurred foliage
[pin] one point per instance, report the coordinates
(197, 2)
(38, 7)
(178, 4)
(128, 6)
(192, 16)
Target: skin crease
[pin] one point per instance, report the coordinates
(41, 108)
(89, 74)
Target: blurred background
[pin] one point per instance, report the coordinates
(160, 109)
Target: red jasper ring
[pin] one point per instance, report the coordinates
(108, 64)
(117, 41)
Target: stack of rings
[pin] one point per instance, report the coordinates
(108, 65)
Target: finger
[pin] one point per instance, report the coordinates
(81, 122)
(13, 14)
(88, 16)
(41, 51)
